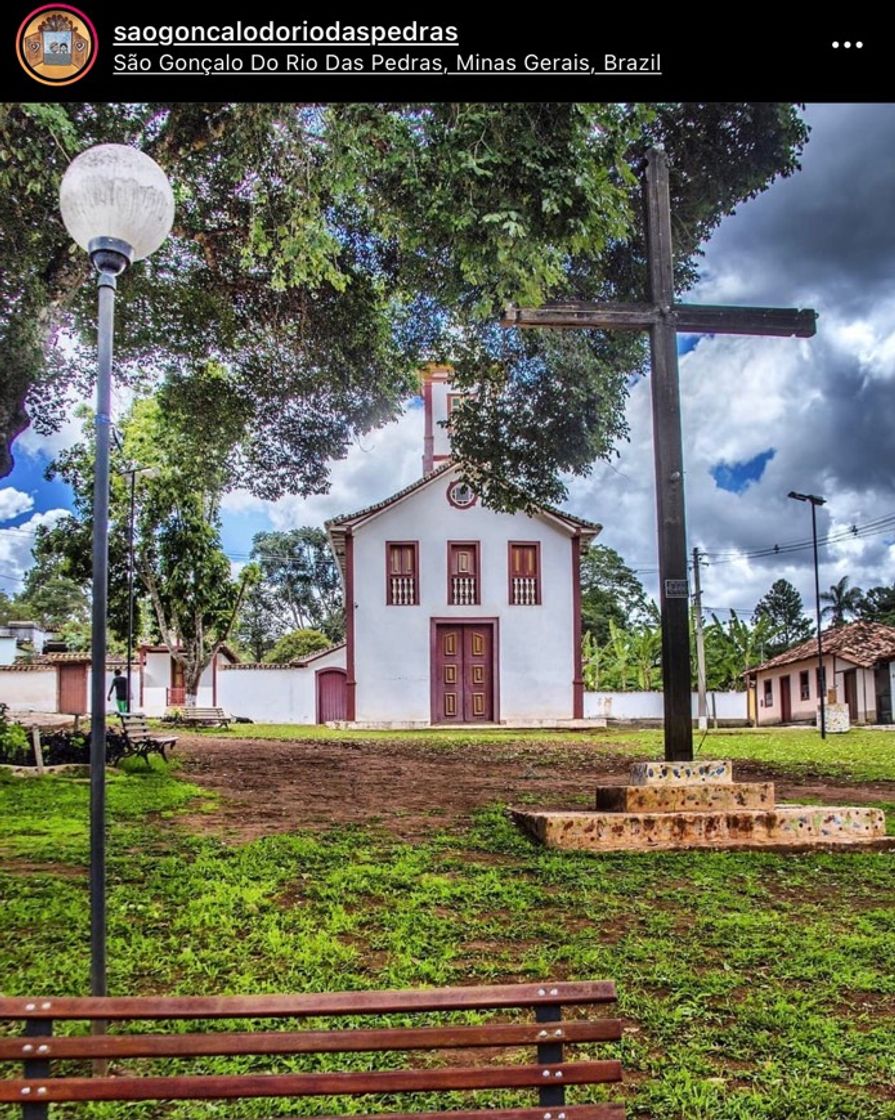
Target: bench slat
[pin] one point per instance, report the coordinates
(298, 1006)
(308, 1084)
(311, 1042)
(569, 1112)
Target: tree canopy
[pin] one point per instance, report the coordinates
(180, 568)
(297, 644)
(321, 254)
(611, 593)
(784, 613)
(878, 605)
(843, 602)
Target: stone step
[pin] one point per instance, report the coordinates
(784, 826)
(675, 798)
(681, 773)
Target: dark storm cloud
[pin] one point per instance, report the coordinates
(823, 238)
(830, 229)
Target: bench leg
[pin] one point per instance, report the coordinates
(36, 1068)
(550, 1053)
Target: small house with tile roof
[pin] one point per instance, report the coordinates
(457, 614)
(859, 666)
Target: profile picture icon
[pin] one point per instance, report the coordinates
(56, 45)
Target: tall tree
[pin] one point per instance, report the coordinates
(51, 596)
(878, 605)
(256, 628)
(843, 602)
(180, 565)
(611, 593)
(319, 254)
(785, 614)
(300, 585)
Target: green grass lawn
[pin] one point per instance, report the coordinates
(754, 986)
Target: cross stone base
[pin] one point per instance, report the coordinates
(676, 806)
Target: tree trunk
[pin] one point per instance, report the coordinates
(193, 665)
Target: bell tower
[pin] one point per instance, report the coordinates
(438, 400)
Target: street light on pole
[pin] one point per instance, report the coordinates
(117, 204)
(134, 472)
(814, 501)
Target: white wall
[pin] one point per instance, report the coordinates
(157, 680)
(33, 690)
(285, 694)
(650, 705)
(392, 643)
(7, 651)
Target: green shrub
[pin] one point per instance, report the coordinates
(14, 745)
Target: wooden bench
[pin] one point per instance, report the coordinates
(548, 1075)
(204, 717)
(141, 740)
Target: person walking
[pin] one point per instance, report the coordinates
(119, 687)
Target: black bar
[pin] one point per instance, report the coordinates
(687, 318)
(34, 1109)
(550, 1053)
(821, 675)
(130, 586)
(669, 459)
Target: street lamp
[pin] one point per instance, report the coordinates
(134, 472)
(814, 501)
(117, 205)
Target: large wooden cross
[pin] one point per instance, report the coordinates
(664, 318)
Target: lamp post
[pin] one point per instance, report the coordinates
(117, 204)
(133, 472)
(814, 501)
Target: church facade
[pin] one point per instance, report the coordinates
(456, 614)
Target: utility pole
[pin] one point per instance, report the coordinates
(701, 710)
(814, 500)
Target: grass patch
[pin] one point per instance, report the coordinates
(753, 985)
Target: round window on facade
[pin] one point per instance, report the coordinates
(460, 495)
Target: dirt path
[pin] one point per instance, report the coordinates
(411, 789)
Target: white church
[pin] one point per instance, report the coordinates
(455, 614)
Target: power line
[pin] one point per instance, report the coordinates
(855, 532)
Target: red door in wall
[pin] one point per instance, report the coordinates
(332, 695)
(850, 679)
(785, 701)
(464, 673)
(72, 686)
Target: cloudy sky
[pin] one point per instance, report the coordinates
(761, 416)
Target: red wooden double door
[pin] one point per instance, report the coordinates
(463, 673)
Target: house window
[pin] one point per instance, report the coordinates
(805, 685)
(402, 580)
(769, 694)
(525, 574)
(463, 573)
